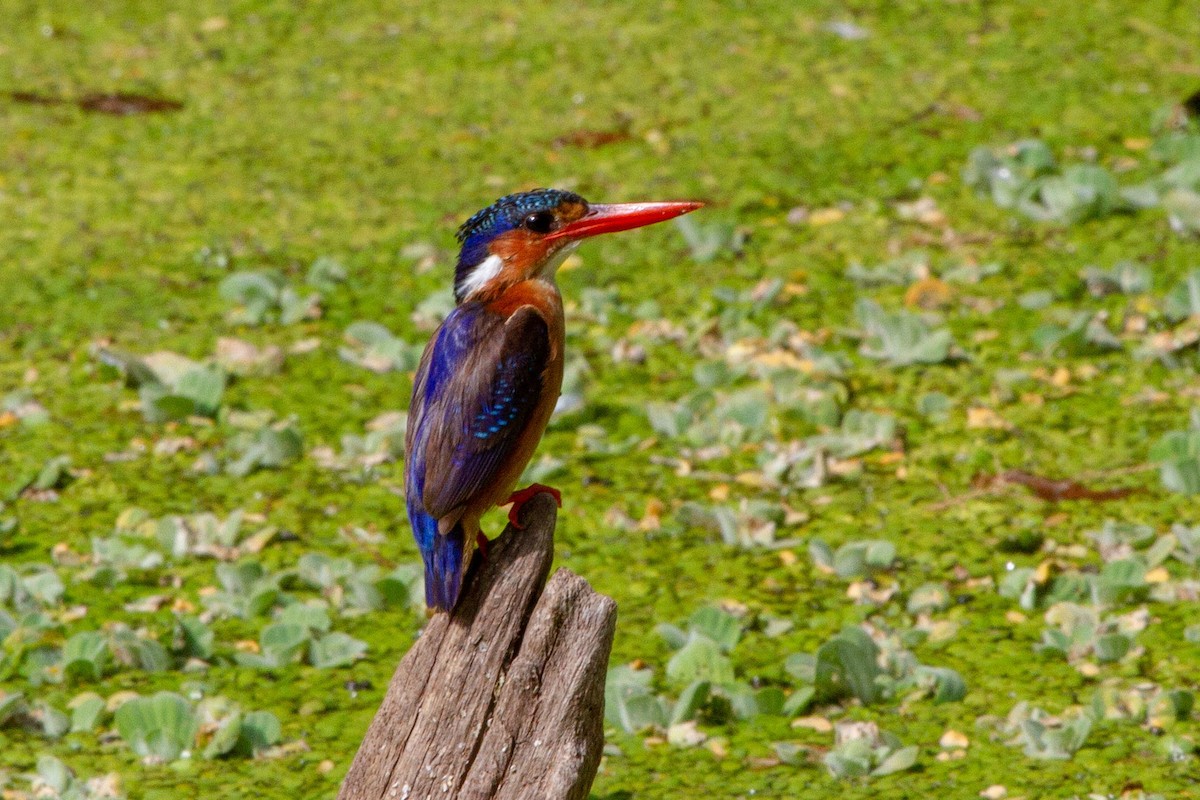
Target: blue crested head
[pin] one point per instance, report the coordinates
(536, 211)
(526, 236)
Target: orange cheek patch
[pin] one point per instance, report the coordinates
(521, 251)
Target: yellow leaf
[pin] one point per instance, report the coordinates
(1158, 575)
(983, 417)
(954, 740)
(784, 359)
(818, 724)
(826, 216)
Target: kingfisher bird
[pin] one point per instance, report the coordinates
(491, 374)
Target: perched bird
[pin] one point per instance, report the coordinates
(490, 376)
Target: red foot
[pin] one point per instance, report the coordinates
(481, 542)
(523, 496)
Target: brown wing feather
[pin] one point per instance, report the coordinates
(482, 408)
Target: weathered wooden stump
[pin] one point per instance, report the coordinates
(504, 698)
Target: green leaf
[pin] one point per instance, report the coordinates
(86, 712)
(1120, 579)
(1183, 300)
(848, 663)
(160, 405)
(859, 432)
(294, 307)
(1003, 176)
(802, 667)
(1112, 647)
(897, 761)
(850, 759)
(374, 347)
(1085, 334)
(54, 774)
(54, 474)
(700, 659)
(194, 638)
(55, 723)
(255, 295)
(948, 685)
(927, 598)
(312, 617)
(12, 705)
(1183, 211)
(1059, 743)
(690, 701)
(901, 338)
(718, 625)
(135, 370)
(281, 445)
(743, 701)
(1178, 454)
(674, 636)
(283, 643)
(799, 700)
(1126, 277)
(259, 730)
(1081, 192)
(336, 650)
(161, 727)
(326, 274)
(43, 585)
(935, 406)
(629, 702)
(203, 386)
(271, 446)
(855, 559)
(821, 554)
(1182, 701)
(226, 737)
(770, 700)
(85, 656)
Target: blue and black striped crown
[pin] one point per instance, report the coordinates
(501, 216)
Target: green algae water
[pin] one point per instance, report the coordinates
(149, 153)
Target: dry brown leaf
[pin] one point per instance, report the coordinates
(929, 294)
(981, 417)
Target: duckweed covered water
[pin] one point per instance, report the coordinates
(822, 136)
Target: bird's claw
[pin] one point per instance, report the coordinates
(523, 496)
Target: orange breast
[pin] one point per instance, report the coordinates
(541, 295)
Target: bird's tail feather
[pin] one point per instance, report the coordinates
(444, 570)
(444, 556)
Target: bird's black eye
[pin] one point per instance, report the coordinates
(539, 222)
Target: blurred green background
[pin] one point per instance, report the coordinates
(364, 133)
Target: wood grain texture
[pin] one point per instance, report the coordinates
(503, 698)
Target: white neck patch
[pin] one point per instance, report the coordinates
(487, 270)
(484, 272)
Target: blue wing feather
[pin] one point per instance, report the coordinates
(478, 384)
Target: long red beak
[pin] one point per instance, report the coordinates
(615, 217)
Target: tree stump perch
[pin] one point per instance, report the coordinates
(504, 697)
